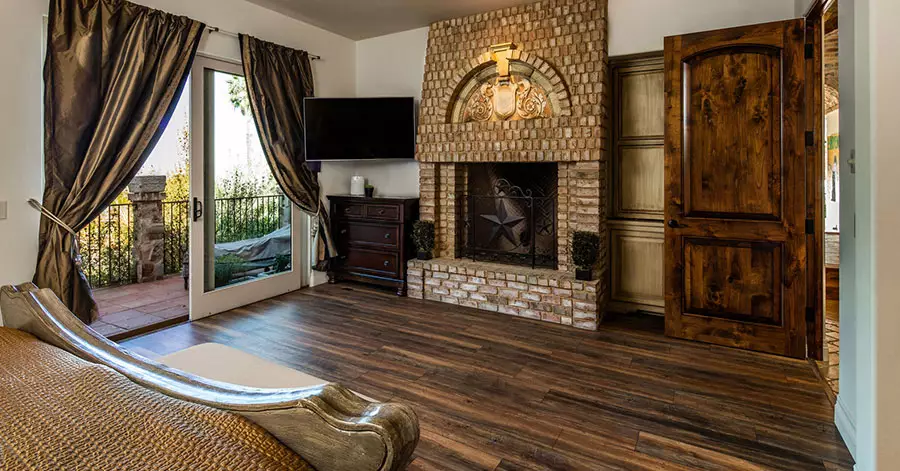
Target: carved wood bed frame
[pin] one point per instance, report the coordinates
(329, 426)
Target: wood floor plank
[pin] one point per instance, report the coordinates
(691, 456)
(440, 453)
(501, 393)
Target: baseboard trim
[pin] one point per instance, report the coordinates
(845, 425)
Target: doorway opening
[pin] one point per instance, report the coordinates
(247, 240)
(829, 366)
(203, 227)
(133, 253)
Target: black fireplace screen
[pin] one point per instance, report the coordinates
(511, 223)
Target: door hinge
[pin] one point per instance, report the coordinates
(810, 138)
(809, 51)
(810, 226)
(810, 315)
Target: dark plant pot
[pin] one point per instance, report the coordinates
(422, 255)
(370, 192)
(583, 274)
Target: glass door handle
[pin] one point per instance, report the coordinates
(198, 209)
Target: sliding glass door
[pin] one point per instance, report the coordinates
(248, 242)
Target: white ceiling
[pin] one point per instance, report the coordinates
(361, 19)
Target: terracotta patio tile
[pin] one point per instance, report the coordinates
(172, 312)
(117, 317)
(181, 301)
(142, 320)
(106, 329)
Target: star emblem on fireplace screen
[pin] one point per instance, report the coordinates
(503, 224)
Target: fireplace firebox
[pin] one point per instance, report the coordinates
(509, 214)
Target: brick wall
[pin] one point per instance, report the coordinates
(567, 41)
(567, 36)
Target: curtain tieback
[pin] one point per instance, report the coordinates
(76, 252)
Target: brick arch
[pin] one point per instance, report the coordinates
(470, 76)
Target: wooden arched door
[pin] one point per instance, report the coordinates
(735, 187)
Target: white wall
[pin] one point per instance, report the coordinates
(801, 7)
(885, 122)
(334, 74)
(640, 25)
(846, 413)
(394, 65)
(21, 26)
(868, 414)
(391, 65)
(21, 94)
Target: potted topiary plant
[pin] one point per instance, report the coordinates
(423, 237)
(370, 190)
(585, 250)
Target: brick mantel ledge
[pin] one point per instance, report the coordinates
(542, 294)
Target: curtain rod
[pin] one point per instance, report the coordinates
(216, 29)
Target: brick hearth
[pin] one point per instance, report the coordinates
(542, 294)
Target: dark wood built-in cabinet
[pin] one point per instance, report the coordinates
(373, 239)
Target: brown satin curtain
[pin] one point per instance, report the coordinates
(278, 79)
(112, 75)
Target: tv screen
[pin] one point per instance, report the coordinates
(360, 128)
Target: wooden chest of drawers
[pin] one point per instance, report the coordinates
(373, 238)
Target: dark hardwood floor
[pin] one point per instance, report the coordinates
(495, 392)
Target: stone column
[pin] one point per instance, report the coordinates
(147, 193)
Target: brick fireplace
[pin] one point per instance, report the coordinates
(520, 85)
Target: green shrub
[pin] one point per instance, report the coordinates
(282, 262)
(225, 268)
(423, 235)
(585, 249)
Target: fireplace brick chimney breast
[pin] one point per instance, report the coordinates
(551, 58)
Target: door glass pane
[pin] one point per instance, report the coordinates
(248, 229)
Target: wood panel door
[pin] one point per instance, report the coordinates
(735, 188)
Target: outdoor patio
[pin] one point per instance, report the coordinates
(130, 307)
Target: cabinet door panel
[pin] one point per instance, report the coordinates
(637, 260)
(641, 181)
(643, 96)
(638, 137)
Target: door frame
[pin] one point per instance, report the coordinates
(815, 211)
(205, 303)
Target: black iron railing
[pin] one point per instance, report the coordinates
(511, 229)
(248, 218)
(176, 222)
(106, 247)
(107, 242)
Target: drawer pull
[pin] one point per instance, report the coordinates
(381, 211)
(343, 231)
(387, 263)
(387, 236)
(346, 210)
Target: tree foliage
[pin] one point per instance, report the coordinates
(178, 181)
(240, 184)
(237, 94)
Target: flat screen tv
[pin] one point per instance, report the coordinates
(360, 128)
